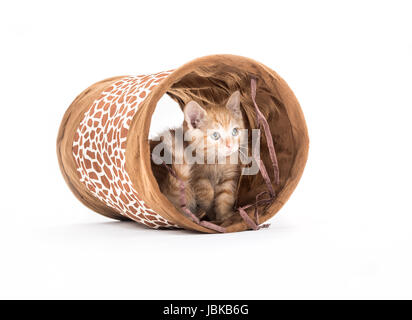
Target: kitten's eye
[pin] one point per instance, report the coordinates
(235, 132)
(215, 135)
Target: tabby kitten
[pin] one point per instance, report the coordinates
(207, 161)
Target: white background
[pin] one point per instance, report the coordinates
(345, 232)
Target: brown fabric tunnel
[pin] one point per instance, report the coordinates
(104, 151)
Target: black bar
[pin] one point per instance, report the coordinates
(206, 309)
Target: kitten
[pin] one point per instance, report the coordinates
(213, 137)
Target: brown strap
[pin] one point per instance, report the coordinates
(250, 222)
(265, 176)
(262, 168)
(247, 219)
(262, 122)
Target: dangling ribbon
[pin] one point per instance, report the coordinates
(262, 123)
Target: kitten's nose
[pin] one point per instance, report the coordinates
(228, 144)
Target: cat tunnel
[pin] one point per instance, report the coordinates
(105, 155)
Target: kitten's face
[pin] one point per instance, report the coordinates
(219, 129)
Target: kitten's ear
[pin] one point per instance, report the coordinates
(194, 114)
(233, 104)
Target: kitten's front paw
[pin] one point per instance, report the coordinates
(222, 216)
